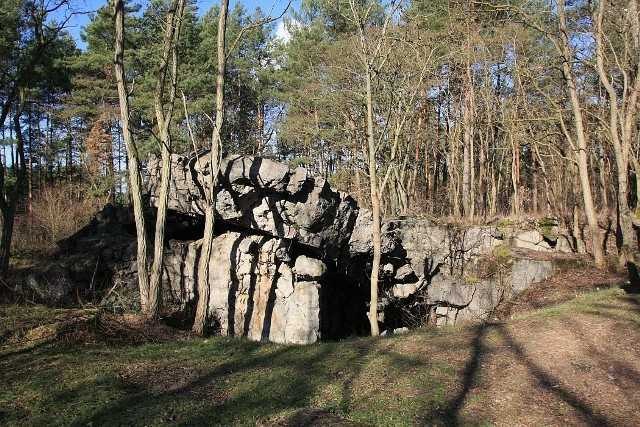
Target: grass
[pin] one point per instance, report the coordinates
(214, 381)
(586, 303)
(430, 376)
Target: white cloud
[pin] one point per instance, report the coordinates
(282, 34)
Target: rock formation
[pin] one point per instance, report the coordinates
(292, 257)
(254, 293)
(264, 196)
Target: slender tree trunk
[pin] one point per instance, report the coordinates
(534, 173)
(164, 114)
(575, 226)
(581, 138)
(515, 177)
(622, 121)
(412, 185)
(467, 143)
(367, 58)
(8, 200)
(202, 308)
(375, 208)
(29, 160)
(355, 161)
(135, 177)
(437, 158)
(603, 178)
(261, 124)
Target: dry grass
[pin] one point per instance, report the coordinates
(53, 214)
(563, 287)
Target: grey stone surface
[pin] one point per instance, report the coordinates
(284, 239)
(405, 290)
(265, 196)
(469, 271)
(360, 241)
(531, 239)
(254, 294)
(307, 268)
(51, 284)
(405, 273)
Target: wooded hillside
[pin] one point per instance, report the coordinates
(478, 109)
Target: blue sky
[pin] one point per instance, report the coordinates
(83, 7)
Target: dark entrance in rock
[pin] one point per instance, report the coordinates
(343, 307)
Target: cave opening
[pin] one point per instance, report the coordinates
(343, 306)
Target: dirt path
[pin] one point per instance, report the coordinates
(581, 370)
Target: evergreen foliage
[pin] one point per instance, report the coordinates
(472, 107)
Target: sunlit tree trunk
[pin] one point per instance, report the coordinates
(581, 137)
(467, 143)
(202, 308)
(135, 177)
(164, 106)
(368, 55)
(622, 108)
(375, 208)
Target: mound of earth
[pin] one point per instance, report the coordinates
(560, 288)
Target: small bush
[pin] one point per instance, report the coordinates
(549, 228)
(502, 252)
(56, 213)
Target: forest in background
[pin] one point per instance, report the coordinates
(480, 109)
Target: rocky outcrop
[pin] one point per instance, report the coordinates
(253, 292)
(463, 273)
(291, 259)
(264, 196)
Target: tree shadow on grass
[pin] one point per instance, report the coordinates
(621, 373)
(452, 413)
(552, 385)
(618, 365)
(255, 386)
(14, 362)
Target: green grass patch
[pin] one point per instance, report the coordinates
(586, 303)
(217, 381)
(411, 379)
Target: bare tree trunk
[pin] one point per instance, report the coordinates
(579, 146)
(581, 137)
(412, 187)
(467, 143)
(622, 122)
(466, 166)
(603, 178)
(202, 309)
(515, 176)
(375, 208)
(367, 57)
(135, 177)
(8, 200)
(261, 124)
(355, 160)
(29, 161)
(534, 172)
(164, 114)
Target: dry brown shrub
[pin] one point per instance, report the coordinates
(56, 213)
